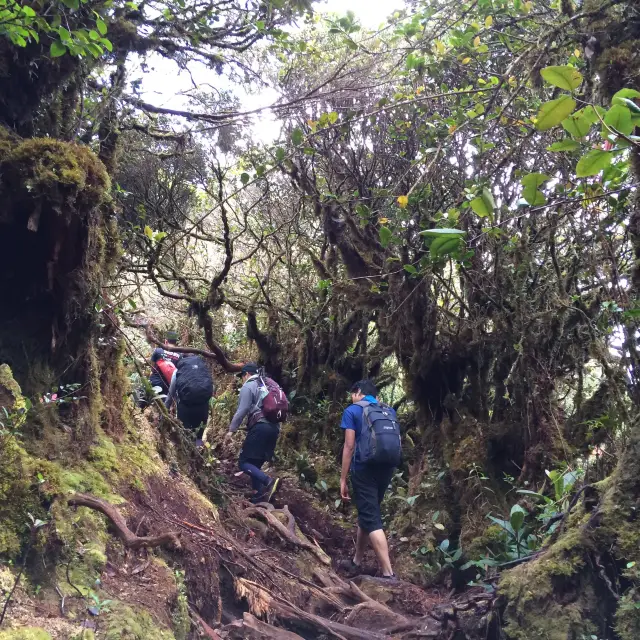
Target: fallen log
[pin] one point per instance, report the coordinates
(129, 539)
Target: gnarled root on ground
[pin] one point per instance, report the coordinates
(129, 539)
(287, 531)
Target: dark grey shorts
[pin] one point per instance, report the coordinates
(369, 486)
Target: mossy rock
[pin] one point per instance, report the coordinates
(30, 633)
(126, 623)
(11, 397)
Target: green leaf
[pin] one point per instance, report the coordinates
(28, 11)
(107, 44)
(442, 232)
(630, 104)
(72, 4)
(577, 125)
(443, 246)
(64, 34)
(439, 526)
(554, 112)
(17, 39)
(593, 162)
(516, 517)
(565, 77)
(245, 177)
(297, 136)
(148, 231)
(280, 154)
(96, 50)
(530, 192)
(444, 545)
(102, 27)
(564, 145)
(57, 49)
(333, 117)
(385, 236)
(625, 93)
(409, 268)
(619, 118)
(480, 207)
(504, 524)
(488, 199)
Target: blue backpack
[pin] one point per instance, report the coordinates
(379, 441)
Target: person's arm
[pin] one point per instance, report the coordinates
(245, 403)
(347, 456)
(172, 391)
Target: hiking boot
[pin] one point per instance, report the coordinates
(392, 578)
(350, 567)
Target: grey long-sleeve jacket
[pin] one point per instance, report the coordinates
(249, 403)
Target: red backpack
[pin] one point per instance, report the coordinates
(166, 368)
(275, 406)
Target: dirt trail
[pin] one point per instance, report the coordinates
(255, 572)
(375, 605)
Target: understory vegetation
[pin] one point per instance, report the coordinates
(447, 204)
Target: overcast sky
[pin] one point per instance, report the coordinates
(162, 84)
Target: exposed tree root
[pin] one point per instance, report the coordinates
(286, 532)
(129, 539)
(250, 628)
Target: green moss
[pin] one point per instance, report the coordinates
(532, 611)
(56, 169)
(18, 498)
(31, 633)
(126, 623)
(11, 397)
(181, 622)
(491, 539)
(627, 623)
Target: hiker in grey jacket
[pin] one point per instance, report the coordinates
(262, 436)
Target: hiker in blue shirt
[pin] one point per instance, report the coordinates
(369, 481)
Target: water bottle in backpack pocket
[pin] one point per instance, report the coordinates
(380, 441)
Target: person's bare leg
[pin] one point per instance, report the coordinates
(379, 543)
(361, 545)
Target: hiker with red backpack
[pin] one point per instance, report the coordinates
(163, 364)
(265, 406)
(192, 387)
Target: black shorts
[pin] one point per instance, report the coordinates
(369, 486)
(194, 417)
(260, 443)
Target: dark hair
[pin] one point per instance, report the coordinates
(171, 337)
(366, 387)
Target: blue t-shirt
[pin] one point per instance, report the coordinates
(352, 419)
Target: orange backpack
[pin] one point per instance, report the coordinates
(166, 368)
